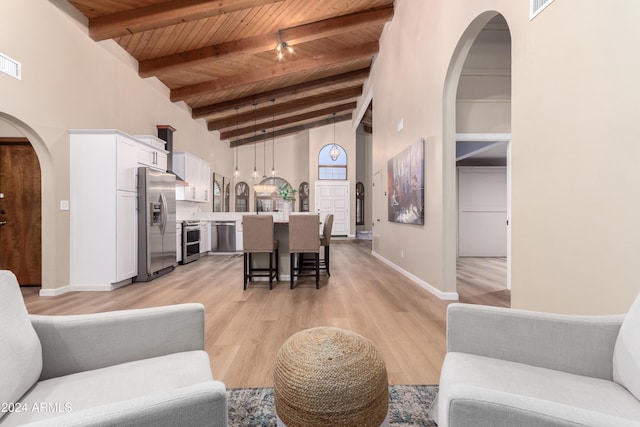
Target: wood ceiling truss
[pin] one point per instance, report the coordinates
(218, 56)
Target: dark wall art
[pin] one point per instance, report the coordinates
(405, 185)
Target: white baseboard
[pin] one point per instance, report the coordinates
(54, 292)
(445, 296)
(83, 288)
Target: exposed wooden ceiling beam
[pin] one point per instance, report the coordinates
(299, 89)
(265, 42)
(164, 14)
(286, 107)
(247, 130)
(289, 131)
(278, 70)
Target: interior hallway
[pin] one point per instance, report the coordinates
(245, 329)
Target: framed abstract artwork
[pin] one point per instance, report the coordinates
(405, 185)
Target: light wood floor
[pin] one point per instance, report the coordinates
(245, 329)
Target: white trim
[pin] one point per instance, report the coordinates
(55, 292)
(445, 296)
(497, 137)
(83, 288)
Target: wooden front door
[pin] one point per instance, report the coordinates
(20, 211)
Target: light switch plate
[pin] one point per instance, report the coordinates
(64, 205)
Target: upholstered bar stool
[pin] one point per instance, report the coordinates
(325, 241)
(257, 237)
(304, 239)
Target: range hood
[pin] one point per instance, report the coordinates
(165, 133)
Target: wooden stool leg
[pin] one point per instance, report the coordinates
(317, 270)
(270, 270)
(277, 266)
(246, 276)
(326, 259)
(291, 269)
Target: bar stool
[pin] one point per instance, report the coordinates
(257, 237)
(304, 239)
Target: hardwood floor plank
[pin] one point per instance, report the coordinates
(245, 329)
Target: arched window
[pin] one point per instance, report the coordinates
(332, 167)
(217, 194)
(227, 196)
(303, 194)
(272, 202)
(242, 197)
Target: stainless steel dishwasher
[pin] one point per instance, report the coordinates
(223, 236)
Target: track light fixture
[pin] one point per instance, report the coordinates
(281, 47)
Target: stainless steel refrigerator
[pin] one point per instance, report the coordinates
(156, 224)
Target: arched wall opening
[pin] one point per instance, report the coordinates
(450, 130)
(48, 233)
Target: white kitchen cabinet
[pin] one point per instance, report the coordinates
(205, 237)
(126, 227)
(196, 173)
(151, 152)
(179, 242)
(103, 209)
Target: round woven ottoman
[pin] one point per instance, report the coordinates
(330, 377)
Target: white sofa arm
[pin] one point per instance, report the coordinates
(84, 342)
(580, 345)
(203, 404)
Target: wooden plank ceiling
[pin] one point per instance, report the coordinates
(219, 57)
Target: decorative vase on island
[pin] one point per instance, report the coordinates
(286, 208)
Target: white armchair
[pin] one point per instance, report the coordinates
(143, 367)
(507, 367)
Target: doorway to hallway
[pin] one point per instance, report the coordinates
(478, 103)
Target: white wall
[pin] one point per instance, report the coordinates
(575, 204)
(69, 81)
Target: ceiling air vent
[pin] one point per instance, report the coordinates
(538, 6)
(10, 66)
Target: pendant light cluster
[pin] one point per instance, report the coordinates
(254, 174)
(257, 187)
(273, 140)
(262, 188)
(236, 172)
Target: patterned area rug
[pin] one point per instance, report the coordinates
(408, 406)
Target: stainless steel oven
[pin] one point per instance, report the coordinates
(190, 241)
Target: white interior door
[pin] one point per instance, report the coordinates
(333, 197)
(482, 210)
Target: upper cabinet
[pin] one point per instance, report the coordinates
(197, 175)
(151, 152)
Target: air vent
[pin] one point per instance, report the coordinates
(538, 6)
(10, 66)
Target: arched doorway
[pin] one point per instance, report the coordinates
(26, 190)
(477, 101)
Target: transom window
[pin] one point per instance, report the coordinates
(332, 168)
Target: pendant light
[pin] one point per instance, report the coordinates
(236, 172)
(254, 175)
(273, 141)
(334, 153)
(264, 155)
(257, 187)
